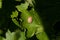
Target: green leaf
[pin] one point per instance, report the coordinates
(16, 22)
(15, 14)
(22, 36)
(36, 26)
(10, 36)
(22, 7)
(0, 3)
(30, 1)
(31, 31)
(36, 22)
(39, 29)
(17, 35)
(42, 36)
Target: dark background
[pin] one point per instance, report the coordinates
(49, 11)
(50, 14)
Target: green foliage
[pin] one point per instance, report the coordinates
(15, 14)
(42, 36)
(0, 3)
(36, 26)
(23, 6)
(33, 28)
(17, 35)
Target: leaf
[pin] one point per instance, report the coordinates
(17, 35)
(22, 7)
(31, 27)
(42, 36)
(16, 22)
(36, 26)
(10, 36)
(0, 3)
(30, 2)
(22, 36)
(15, 14)
(39, 29)
(30, 31)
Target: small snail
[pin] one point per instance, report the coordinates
(30, 19)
